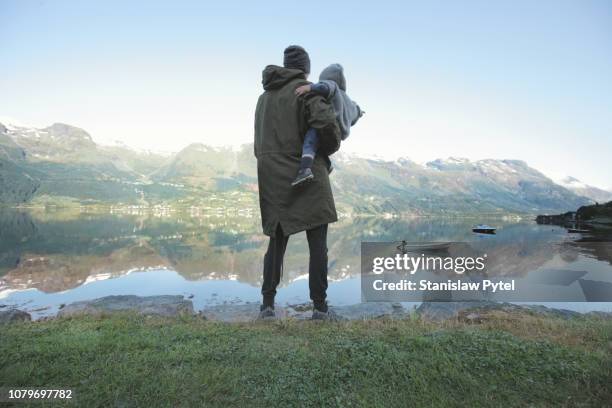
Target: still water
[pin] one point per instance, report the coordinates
(52, 258)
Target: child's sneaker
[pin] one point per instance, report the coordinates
(303, 176)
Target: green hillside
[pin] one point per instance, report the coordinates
(63, 162)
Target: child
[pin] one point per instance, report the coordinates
(332, 86)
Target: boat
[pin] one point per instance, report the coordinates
(405, 247)
(577, 230)
(484, 229)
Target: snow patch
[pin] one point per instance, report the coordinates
(571, 182)
(13, 124)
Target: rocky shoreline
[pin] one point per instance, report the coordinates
(173, 306)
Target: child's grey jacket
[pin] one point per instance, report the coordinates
(347, 111)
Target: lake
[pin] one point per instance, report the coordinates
(51, 258)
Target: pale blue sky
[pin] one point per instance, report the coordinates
(526, 80)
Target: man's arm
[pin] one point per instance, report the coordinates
(320, 88)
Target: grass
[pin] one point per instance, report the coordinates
(130, 360)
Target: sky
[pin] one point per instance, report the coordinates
(529, 80)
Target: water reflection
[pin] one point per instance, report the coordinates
(64, 251)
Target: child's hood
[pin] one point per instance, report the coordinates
(335, 73)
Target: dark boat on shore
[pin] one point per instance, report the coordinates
(577, 230)
(483, 229)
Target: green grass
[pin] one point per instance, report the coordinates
(129, 360)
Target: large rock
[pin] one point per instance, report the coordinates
(249, 312)
(150, 305)
(14, 315)
(438, 311)
(371, 310)
(241, 313)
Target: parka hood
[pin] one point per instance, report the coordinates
(274, 77)
(335, 73)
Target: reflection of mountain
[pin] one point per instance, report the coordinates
(55, 253)
(519, 249)
(15, 229)
(58, 272)
(199, 257)
(602, 251)
(61, 162)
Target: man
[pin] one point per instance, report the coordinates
(281, 121)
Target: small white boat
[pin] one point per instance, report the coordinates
(483, 229)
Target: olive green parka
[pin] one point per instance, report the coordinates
(281, 121)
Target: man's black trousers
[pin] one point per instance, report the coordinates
(317, 266)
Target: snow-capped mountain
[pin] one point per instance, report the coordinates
(450, 185)
(64, 161)
(594, 193)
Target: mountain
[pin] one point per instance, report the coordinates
(65, 144)
(140, 162)
(63, 161)
(210, 167)
(596, 194)
(16, 184)
(451, 185)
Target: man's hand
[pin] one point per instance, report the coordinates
(301, 90)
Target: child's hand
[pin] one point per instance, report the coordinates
(301, 90)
